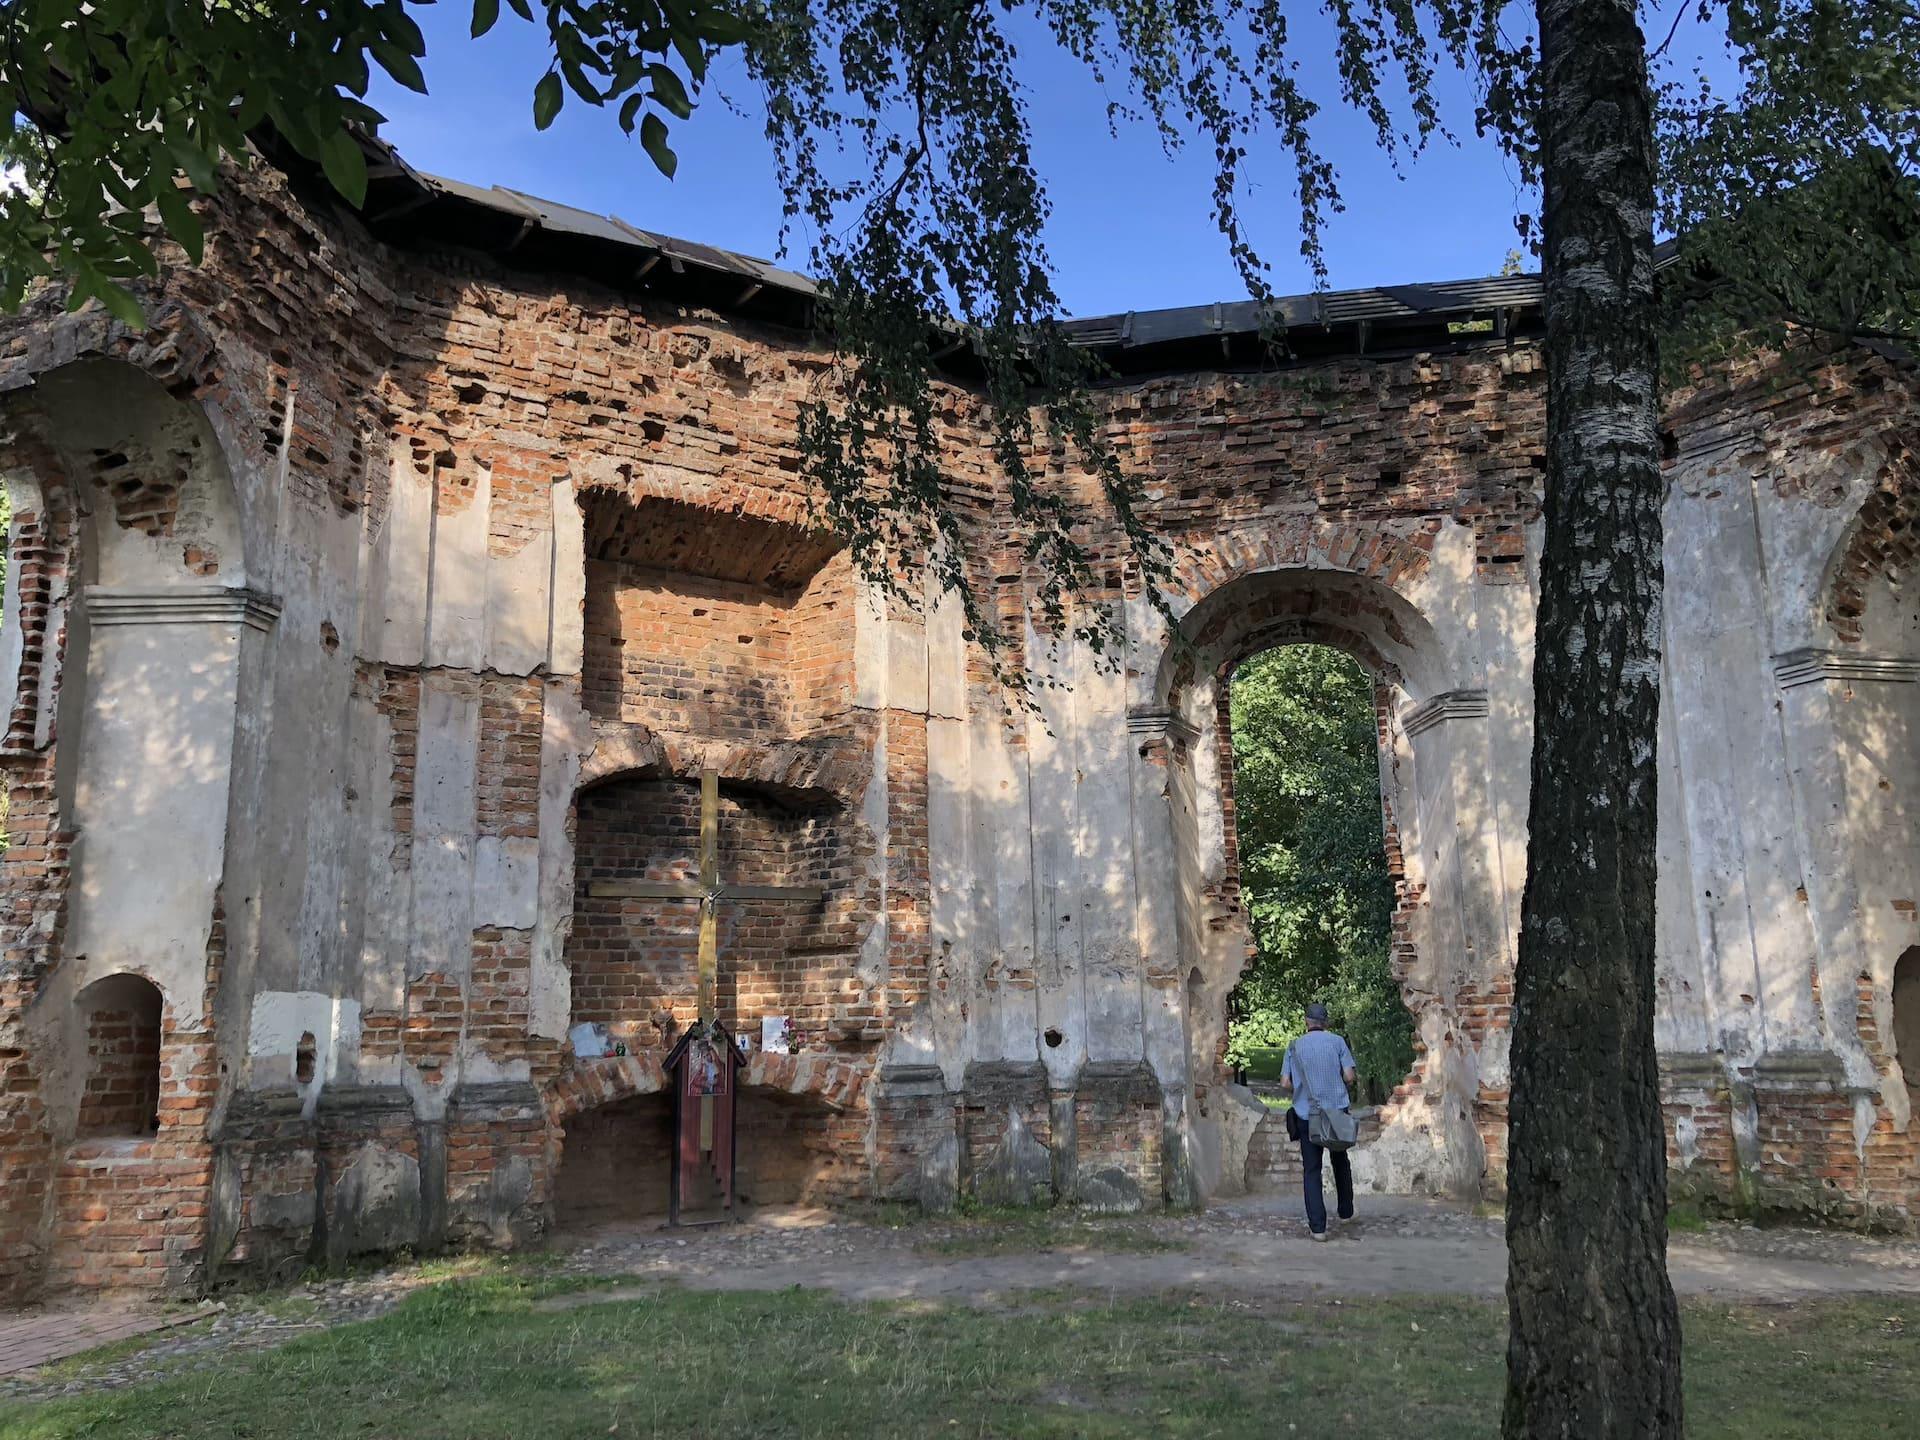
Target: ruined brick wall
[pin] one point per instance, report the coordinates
(635, 960)
(1381, 447)
(530, 529)
(617, 1162)
(1118, 1129)
(33, 869)
(687, 654)
(720, 658)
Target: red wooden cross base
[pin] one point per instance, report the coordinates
(704, 1069)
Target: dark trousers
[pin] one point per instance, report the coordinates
(1310, 1157)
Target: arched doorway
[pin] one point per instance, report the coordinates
(1451, 927)
(1310, 848)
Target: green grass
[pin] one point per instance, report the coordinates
(1685, 1218)
(478, 1358)
(1264, 1062)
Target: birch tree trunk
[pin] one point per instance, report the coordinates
(1594, 1348)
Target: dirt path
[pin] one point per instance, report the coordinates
(1252, 1246)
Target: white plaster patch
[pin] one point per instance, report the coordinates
(457, 612)
(1686, 1141)
(1895, 1096)
(506, 882)
(281, 1017)
(566, 642)
(517, 621)
(566, 736)
(442, 905)
(395, 613)
(870, 677)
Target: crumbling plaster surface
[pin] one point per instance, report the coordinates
(155, 648)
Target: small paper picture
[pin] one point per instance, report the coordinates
(773, 1035)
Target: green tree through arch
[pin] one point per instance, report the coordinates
(1313, 865)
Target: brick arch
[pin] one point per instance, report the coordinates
(175, 350)
(587, 1085)
(1351, 610)
(246, 397)
(1879, 546)
(1205, 567)
(1306, 631)
(831, 767)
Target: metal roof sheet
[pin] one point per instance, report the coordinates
(1122, 332)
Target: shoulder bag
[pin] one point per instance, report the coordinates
(1332, 1129)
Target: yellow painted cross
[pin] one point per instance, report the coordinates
(710, 890)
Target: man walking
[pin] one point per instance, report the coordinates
(1317, 1071)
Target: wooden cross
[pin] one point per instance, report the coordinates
(709, 890)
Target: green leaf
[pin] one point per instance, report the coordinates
(629, 108)
(668, 90)
(522, 8)
(400, 65)
(485, 14)
(579, 84)
(693, 53)
(201, 168)
(400, 25)
(547, 100)
(346, 167)
(627, 73)
(121, 304)
(719, 26)
(177, 215)
(653, 137)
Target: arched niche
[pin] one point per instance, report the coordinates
(1869, 598)
(149, 477)
(117, 1024)
(158, 610)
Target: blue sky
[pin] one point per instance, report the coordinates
(1131, 229)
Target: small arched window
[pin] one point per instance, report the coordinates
(120, 1017)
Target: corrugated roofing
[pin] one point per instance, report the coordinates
(1333, 307)
(548, 234)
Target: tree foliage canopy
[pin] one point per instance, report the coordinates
(902, 140)
(1795, 187)
(1313, 870)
